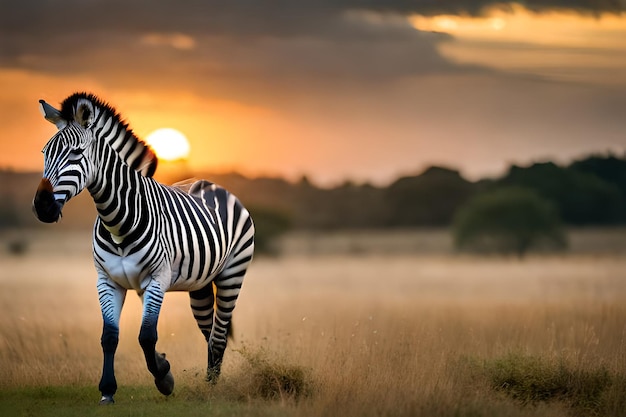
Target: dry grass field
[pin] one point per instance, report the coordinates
(344, 332)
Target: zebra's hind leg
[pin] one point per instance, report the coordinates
(227, 284)
(203, 308)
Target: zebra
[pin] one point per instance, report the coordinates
(147, 237)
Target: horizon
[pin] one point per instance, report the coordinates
(360, 92)
(170, 172)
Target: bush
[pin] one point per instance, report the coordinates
(17, 246)
(269, 377)
(10, 226)
(509, 220)
(9, 215)
(269, 225)
(531, 380)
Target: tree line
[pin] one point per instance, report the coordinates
(589, 191)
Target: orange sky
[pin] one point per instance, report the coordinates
(337, 94)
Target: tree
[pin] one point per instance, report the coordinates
(581, 197)
(509, 220)
(429, 199)
(609, 168)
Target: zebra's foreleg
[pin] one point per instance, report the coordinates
(111, 301)
(158, 366)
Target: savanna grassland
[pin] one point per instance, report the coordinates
(344, 332)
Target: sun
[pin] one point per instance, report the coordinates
(169, 144)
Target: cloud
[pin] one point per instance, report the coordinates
(280, 41)
(174, 40)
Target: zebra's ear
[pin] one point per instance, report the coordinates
(52, 115)
(84, 115)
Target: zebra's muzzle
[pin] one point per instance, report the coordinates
(45, 207)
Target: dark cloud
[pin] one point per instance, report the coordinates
(277, 17)
(238, 44)
(347, 39)
(282, 18)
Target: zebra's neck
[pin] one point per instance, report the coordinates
(121, 196)
(121, 193)
(122, 203)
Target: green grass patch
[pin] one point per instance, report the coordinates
(262, 384)
(135, 401)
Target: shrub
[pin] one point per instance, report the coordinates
(531, 380)
(270, 224)
(17, 246)
(9, 215)
(508, 219)
(271, 378)
(10, 226)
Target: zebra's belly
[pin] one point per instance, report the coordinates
(181, 283)
(126, 271)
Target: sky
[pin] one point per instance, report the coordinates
(358, 90)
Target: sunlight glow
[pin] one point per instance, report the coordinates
(174, 40)
(169, 144)
(515, 23)
(560, 45)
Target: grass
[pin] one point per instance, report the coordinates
(357, 335)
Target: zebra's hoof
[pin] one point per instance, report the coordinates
(106, 400)
(212, 375)
(165, 385)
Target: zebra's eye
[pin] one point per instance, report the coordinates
(76, 154)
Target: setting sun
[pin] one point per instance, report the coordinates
(169, 144)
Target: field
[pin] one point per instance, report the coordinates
(343, 330)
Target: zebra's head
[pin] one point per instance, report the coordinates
(67, 168)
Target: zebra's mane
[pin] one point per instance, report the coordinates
(145, 163)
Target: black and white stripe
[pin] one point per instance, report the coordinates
(148, 237)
